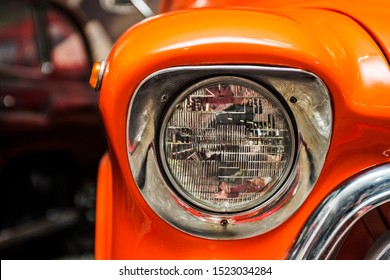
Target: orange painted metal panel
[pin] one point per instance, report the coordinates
(349, 60)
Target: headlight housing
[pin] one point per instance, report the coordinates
(227, 144)
(228, 152)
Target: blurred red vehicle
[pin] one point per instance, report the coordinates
(247, 130)
(51, 137)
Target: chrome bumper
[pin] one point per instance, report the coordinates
(324, 232)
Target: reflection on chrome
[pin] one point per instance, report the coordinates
(324, 232)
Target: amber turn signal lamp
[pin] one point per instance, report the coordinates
(97, 74)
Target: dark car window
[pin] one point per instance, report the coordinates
(18, 44)
(69, 53)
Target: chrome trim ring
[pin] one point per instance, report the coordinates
(308, 100)
(103, 64)
(324, 232)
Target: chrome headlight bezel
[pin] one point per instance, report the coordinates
(308, 101)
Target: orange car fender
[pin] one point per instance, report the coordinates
(104, 195)
(310, 40)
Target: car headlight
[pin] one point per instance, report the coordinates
(228, 152)
(227, 144)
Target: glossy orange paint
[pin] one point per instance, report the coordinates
(326, 41)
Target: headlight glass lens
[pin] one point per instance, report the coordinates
(227, 144)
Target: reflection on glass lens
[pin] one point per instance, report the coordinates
(227, 144)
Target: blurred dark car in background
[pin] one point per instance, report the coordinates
(51, 137)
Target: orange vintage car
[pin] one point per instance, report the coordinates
(247, 130)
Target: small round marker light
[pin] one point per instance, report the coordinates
(96, 77)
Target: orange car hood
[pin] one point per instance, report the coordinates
(371, 15)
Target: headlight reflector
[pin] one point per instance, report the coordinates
(227, 144)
